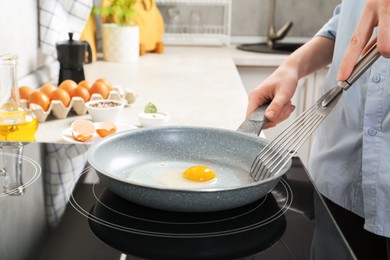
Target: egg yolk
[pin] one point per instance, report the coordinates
(199, 174)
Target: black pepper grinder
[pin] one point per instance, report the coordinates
(72, 55)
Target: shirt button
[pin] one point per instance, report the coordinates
(372, 131)
(376, 78)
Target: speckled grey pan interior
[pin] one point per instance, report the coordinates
(123, 151)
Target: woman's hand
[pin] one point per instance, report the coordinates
(278, 88)
(376, 14)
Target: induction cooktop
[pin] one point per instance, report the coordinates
(100, 225)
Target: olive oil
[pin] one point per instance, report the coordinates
(17, 125)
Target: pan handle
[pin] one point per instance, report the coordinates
(254, 123)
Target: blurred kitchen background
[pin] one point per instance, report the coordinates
(249, 23)
(250, 17)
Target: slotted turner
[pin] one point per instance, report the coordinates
(276, 155)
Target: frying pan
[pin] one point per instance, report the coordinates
(225, 151)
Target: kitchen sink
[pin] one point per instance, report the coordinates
(278, 48)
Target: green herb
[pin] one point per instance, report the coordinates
(121, 12)
(150, 108)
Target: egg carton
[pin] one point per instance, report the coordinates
(77, 104)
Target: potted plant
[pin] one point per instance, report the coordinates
(120, 32)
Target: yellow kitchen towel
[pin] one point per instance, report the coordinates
(59, 17)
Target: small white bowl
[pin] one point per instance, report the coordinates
(153, 119)
(105, 110)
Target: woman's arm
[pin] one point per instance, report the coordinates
(280, 86)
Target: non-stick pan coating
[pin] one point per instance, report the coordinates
(117, 154)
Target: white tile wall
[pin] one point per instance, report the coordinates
(19, 35)
(251, 17)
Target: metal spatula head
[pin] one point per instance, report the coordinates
(276, 155)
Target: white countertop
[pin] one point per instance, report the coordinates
(197, 86)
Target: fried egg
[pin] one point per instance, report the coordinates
(199, 173)
(184, 175)
(175, 179)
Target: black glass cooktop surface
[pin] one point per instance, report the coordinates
(100, 225)
(134, 229)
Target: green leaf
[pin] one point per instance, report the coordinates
(121, 12)
(150, 108)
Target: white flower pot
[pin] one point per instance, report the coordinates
(120, 43)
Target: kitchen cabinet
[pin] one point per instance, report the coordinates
(305, 96)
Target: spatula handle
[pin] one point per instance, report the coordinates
(361, 66)
(254, 123)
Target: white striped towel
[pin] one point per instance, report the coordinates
(59, 17)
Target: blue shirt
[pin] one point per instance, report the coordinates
(350, 158)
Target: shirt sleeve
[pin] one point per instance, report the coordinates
(329, 30)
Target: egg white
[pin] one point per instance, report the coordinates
(169, 174)
(174, 179)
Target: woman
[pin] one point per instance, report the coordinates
(350, 158)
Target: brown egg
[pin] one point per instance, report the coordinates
(80, 92)
(105, 81)
(100, 88)
(39, 98)
(82, 130)
(105, 128)
(25, 91)
(68, 85)
(85, 84)
(47, 89)
(61, 95)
